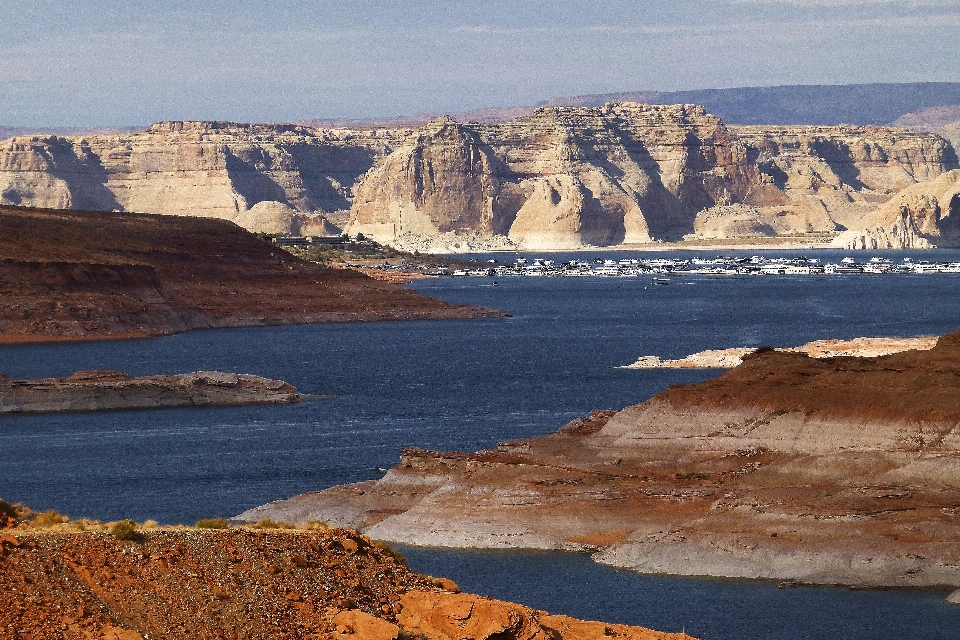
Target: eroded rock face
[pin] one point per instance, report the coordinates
(922, 216)
(625, 173)
(560, 178)
(266, 178)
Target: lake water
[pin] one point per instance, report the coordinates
(462, 385)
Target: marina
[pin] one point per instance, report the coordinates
(757, 265)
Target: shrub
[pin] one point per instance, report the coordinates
(268, 523)
(125, 530)
(213, 523)
(316, 525)
(8, 509)
(390, 551)
(47, 519)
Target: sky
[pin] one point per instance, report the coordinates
(90, 63)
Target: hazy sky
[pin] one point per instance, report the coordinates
(125, 62)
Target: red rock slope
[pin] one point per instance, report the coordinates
(211, 584)
(67, 275)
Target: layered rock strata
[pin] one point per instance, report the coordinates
(923, 216)
(559, 178)
(838, 470)
(729, 358)
(100, 390)
(564, 178)
(265, 178)
(249, 584)
(942, 120)
(70, 275)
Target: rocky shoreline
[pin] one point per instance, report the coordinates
(103, 390)
(835, 471)
(139, 582)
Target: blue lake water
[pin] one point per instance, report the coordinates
(461, 385)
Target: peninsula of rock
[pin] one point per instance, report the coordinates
(557, 178)
(837, 470)
(75, 275)
(100, 390)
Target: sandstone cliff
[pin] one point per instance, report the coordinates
(81, 275)
(100, 390)
(923, 216)
(199, 584)
(837, 470)
(942, 120)
(266, 178)
(559, 178)
(625, 173)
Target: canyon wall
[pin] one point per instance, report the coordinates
(922, 216)
(560, 178)
(624, 173)
(266, 178)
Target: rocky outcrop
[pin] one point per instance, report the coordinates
(100, 390)
(70, 275)
(448, 616)
(191, 583)
(729, 358)
(838, 470)
(266, 178)
(923, 216)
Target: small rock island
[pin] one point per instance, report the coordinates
(101, 390)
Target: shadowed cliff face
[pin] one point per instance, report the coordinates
(560, 178)
(442, 180)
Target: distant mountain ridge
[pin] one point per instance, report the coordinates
(876, 104)
(858, 104)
